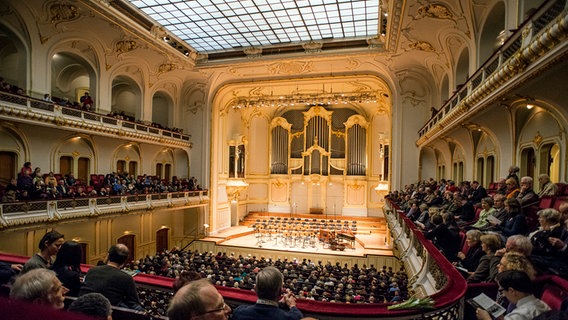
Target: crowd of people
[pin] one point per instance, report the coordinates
(54, 273)
(32, 184)
(85, 103)
(305, 278)
(498, 235)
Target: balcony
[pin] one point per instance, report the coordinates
(22, 214)
(25, 109)
(538, 43)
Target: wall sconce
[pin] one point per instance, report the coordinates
(530, 103)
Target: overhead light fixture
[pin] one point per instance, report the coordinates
(530, 102)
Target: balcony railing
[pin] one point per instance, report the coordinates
(31, 212)
(38, 110)
(529, 42)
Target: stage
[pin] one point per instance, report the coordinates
(370, 237)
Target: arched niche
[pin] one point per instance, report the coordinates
(13, 57)
(14, 152)
(126, 97)
(164, 164)
(71, 76)
(127, 159)
(462, 68)
(75, 155)
(162, 109)
(428, 163)
(458, 163)
(492, 33)
(486, 157)
(183, 167)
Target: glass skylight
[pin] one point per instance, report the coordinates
(211, 26)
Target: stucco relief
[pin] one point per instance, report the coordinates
(291, 67)
(436, 11)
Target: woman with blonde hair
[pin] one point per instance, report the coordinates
(487, 268)
(516, 261)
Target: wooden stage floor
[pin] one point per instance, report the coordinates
(371, 238)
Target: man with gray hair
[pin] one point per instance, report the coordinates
(547, 187)
(39, 286)
(268, 288)
(527, 196)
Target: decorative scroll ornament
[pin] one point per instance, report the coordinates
(436, 11)
(312, 47)
(537, 138)
(253, 52)
(125, 46)
(422, 46)
(59, 12)
(166, 67)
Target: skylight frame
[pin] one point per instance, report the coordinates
(214, 26)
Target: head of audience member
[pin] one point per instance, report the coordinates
(473, 238)
(51, 242)
(437, 219)
(498, 201)
(549, 218)
(511, 184)
(502, 183)
(543, 179)
(118, 255)
(185, 277)
(514, 169)
(487, 203)
(69, 255)
(513, 206)
(563, 208)
(490, 243)
(526, 183)
(39, 286)
(269, 283)
(198, 300)
(514, 285)
(517, 261)
(92, 304)
(519, 243)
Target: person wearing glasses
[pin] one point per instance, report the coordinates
(268, 289)
(516, 286)
(198, 299)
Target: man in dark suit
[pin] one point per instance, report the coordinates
(268, 288)
(62, 190)
(477, 193)
(198, 300)
(117, 286)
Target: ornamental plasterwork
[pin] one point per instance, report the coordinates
(312, 47)
(291, 67)
(537, 138)
(61, 12)
(422, 46)
(436, 11)
(352, 64)
(124, 46)
(253, 52)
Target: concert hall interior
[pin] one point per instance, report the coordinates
(272, 129)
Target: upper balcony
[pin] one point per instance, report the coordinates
(26, 213)
(26, 109)
(536, 45)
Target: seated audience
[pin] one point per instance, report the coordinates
(110, 281)
(516, 261)
(516, 286)
(199, 300)
(49, 246)
(67, 266)
(527, 196)
(487, 268)
(445, 239)
(39, 286)
(466, 212)
(513, 173)
(470, 260)
(8, 271)
(488, 210)
(547, 187)
(477, 193)
(184, 278)
(512, 188)
(92, 304)
(516, 222)
(268, 288)
(50, 180)
(500, 214)
(545, 255)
